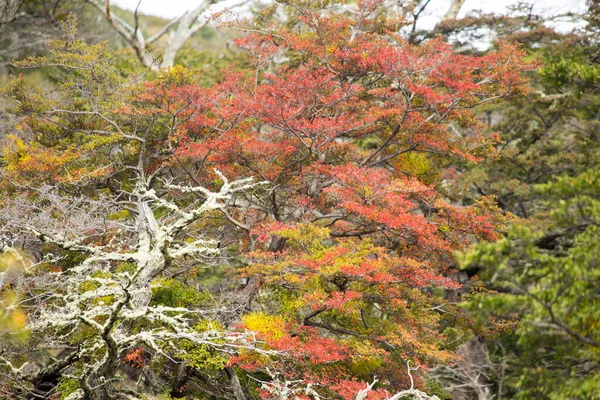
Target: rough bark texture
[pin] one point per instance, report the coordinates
(8, 10)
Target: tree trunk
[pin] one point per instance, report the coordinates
(453, 10)
(235, 384)
(8, 10)
(185, 29)
(476, 363)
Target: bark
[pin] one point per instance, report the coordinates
(236, 387)
(453, 10)
(186, 28)
(8, 10)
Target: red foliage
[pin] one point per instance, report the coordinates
(135, 358)
(341, 133)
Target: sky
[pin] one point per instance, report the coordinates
(174, 8)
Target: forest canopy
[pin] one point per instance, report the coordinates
(299, 200)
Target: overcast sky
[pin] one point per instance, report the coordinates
(174, 8)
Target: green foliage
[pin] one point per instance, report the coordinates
(570, 67)
(66, 387)
(210, 64)
(542, 303)
(204, 358)
(173, 293)
(435, 388)
(339, 308)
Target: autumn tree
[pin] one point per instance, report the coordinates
(105, 231)
(352, 131)
(346, 237)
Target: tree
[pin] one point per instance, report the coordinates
(113, 232)
(538, 285)
(528, 23)
(101, 310)
(347, 243)
(181, 30)
(453, 10)
(8, 10)
(350, 130)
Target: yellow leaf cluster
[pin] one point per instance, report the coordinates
(270, 326)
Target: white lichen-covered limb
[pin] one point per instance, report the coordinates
(410, 393)
(109, 292)
(279, 388)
